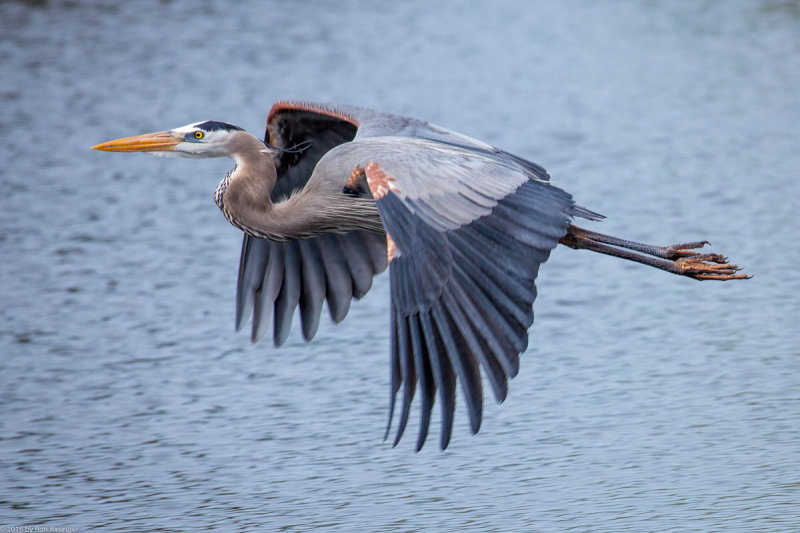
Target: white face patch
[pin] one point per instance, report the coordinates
(211, 144)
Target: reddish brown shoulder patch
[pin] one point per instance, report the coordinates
(352, 183)
(356, 185)
(379, 181)
(392, 250)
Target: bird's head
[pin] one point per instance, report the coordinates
(202, 139)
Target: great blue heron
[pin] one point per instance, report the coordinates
(464, 226)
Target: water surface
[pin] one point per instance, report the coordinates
(645, 401)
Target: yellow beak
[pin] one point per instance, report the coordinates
(160, 141)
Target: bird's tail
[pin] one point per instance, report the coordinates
(588, 214)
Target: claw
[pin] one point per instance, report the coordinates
(721, 277)
(709, 266)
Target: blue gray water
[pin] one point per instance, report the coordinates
(645, 401)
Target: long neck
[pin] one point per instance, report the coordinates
(244, 196)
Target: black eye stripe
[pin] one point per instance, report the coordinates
(214, 125)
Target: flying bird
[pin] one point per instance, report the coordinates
(335, 194)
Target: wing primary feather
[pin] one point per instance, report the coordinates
(464, 364)
(409, 375)
(494, 287)
(252, 263)
(517, 315)
(477, 349)
(312, 294)
(428, 272)
(480, 339)
(518, 259)
(394, 369)
(424, 255)
(444, 375)
(498, 258)
(289, 296)
(265, 298)
(401, 285)
(427, 384)
(499, 334)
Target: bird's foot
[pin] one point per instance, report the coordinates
(706, 266)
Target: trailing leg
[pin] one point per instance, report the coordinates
(680, 259)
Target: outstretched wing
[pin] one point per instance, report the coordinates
(471, 229)
(277, 277)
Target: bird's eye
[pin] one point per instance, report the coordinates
(198, 135)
